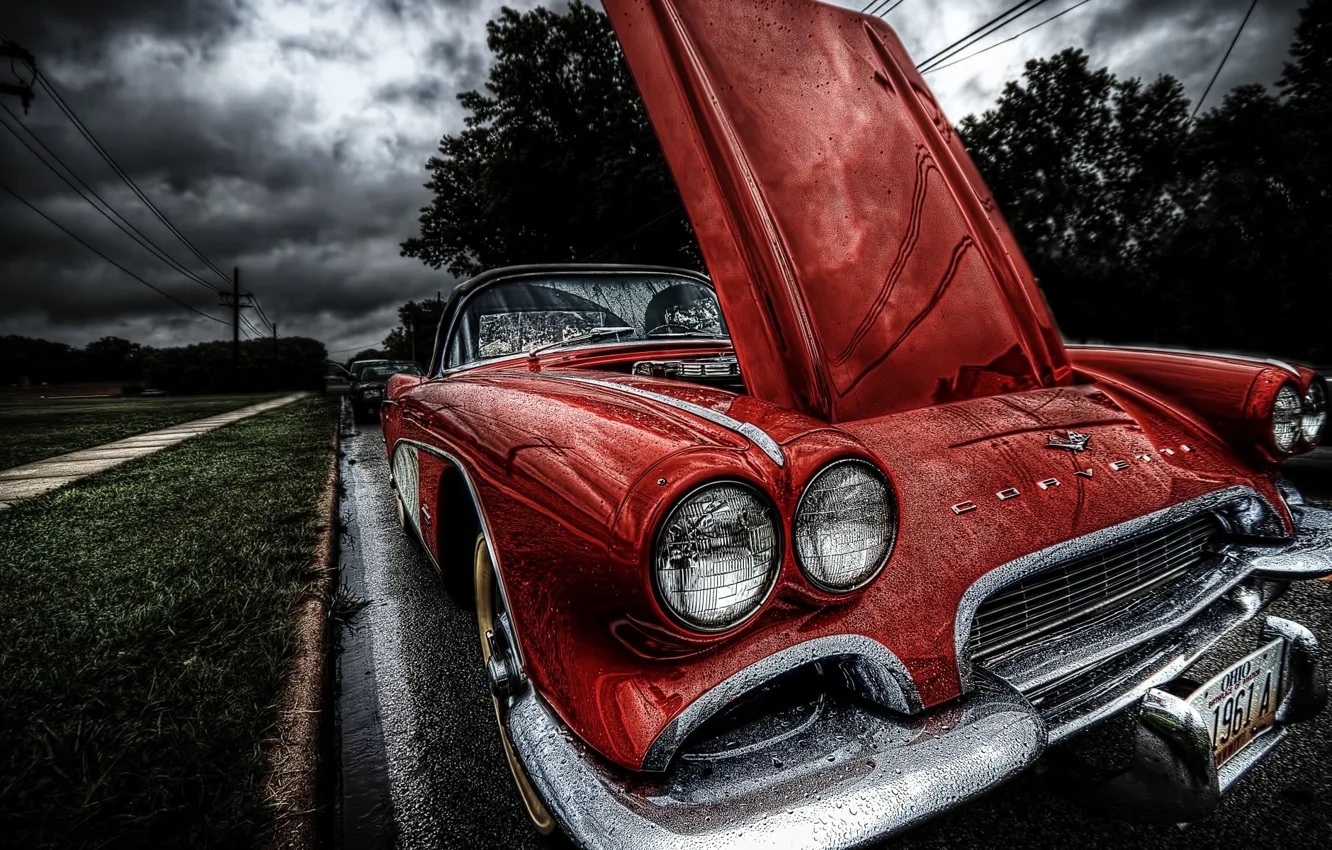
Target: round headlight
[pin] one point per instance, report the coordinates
(717, 556)
(845, 526)
(1315, 413)
(1287, 419)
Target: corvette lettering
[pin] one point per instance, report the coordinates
(1119, 465)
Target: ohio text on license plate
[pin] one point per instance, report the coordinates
(1241, 702)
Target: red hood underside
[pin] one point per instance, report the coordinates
(861, 263)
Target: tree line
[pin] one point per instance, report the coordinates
(295, 363)
(1142, 224)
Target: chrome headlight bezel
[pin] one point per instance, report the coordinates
(1313, 420)
(1288, 409)
(774, 519)
(889, 545)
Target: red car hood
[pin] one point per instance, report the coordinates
(860, 261)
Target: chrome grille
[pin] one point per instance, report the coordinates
(1088, 590)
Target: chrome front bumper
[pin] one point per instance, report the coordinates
(841, 773)
(846, 776)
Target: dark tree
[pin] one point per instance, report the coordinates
(24, 360)
(1141, 224)
(1090, 172)
(114, 359)
(1307, 80)
(557, 161)
(414, 338)
(1250, 269)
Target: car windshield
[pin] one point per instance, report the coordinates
(388, 370)
(515, 317)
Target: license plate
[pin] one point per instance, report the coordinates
(1241, 702)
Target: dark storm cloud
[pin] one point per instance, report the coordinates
(313, 217)
(324, 46)
(1192, 36)
(466, 58)
(82, 27)
(301, 161)
(426, 91)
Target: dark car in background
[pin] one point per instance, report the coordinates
(360, 365)
(368, 380)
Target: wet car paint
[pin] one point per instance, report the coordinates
(421, 763)
(861, 263)
(448, 786)
(574, 475)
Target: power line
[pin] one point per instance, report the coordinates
(249, 326)
(988, 28)
(254, 301)
(71, 235)
(361, 347)
(1233, 42)
(631, 234)
(1007, 40)
(880, 5)
(127, 228)
(46, 85)
(141, 238)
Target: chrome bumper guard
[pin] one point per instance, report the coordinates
(848, 773)
(1306, 555)
(1173, 777)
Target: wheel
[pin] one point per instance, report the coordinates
(489, 606)
(402, 512)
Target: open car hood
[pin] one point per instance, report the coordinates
(862, 265)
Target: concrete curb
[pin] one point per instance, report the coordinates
(298, 765)
(41, 477)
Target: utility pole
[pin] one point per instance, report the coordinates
(235, 299)
(275, 348)
(21, 90)
(235, 323)
(411, 333)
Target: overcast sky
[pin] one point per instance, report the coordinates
(289, 137)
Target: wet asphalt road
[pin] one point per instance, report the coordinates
(422, 765)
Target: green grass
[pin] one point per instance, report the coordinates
(146, 625)
(35, 429)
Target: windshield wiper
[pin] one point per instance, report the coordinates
(591, 336)
(678, 330)
(684, 335)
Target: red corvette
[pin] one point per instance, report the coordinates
(831, 541)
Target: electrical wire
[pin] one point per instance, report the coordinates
(260, 310)
(64, 107)
(630, 235)
(880, 5)
(83, 130)
(71, 235)
(1007, 40)
(375, 345)
(247, 324)
(123, 224)
(1224, 59)
(990, 27)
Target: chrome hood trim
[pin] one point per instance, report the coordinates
(753, 433)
